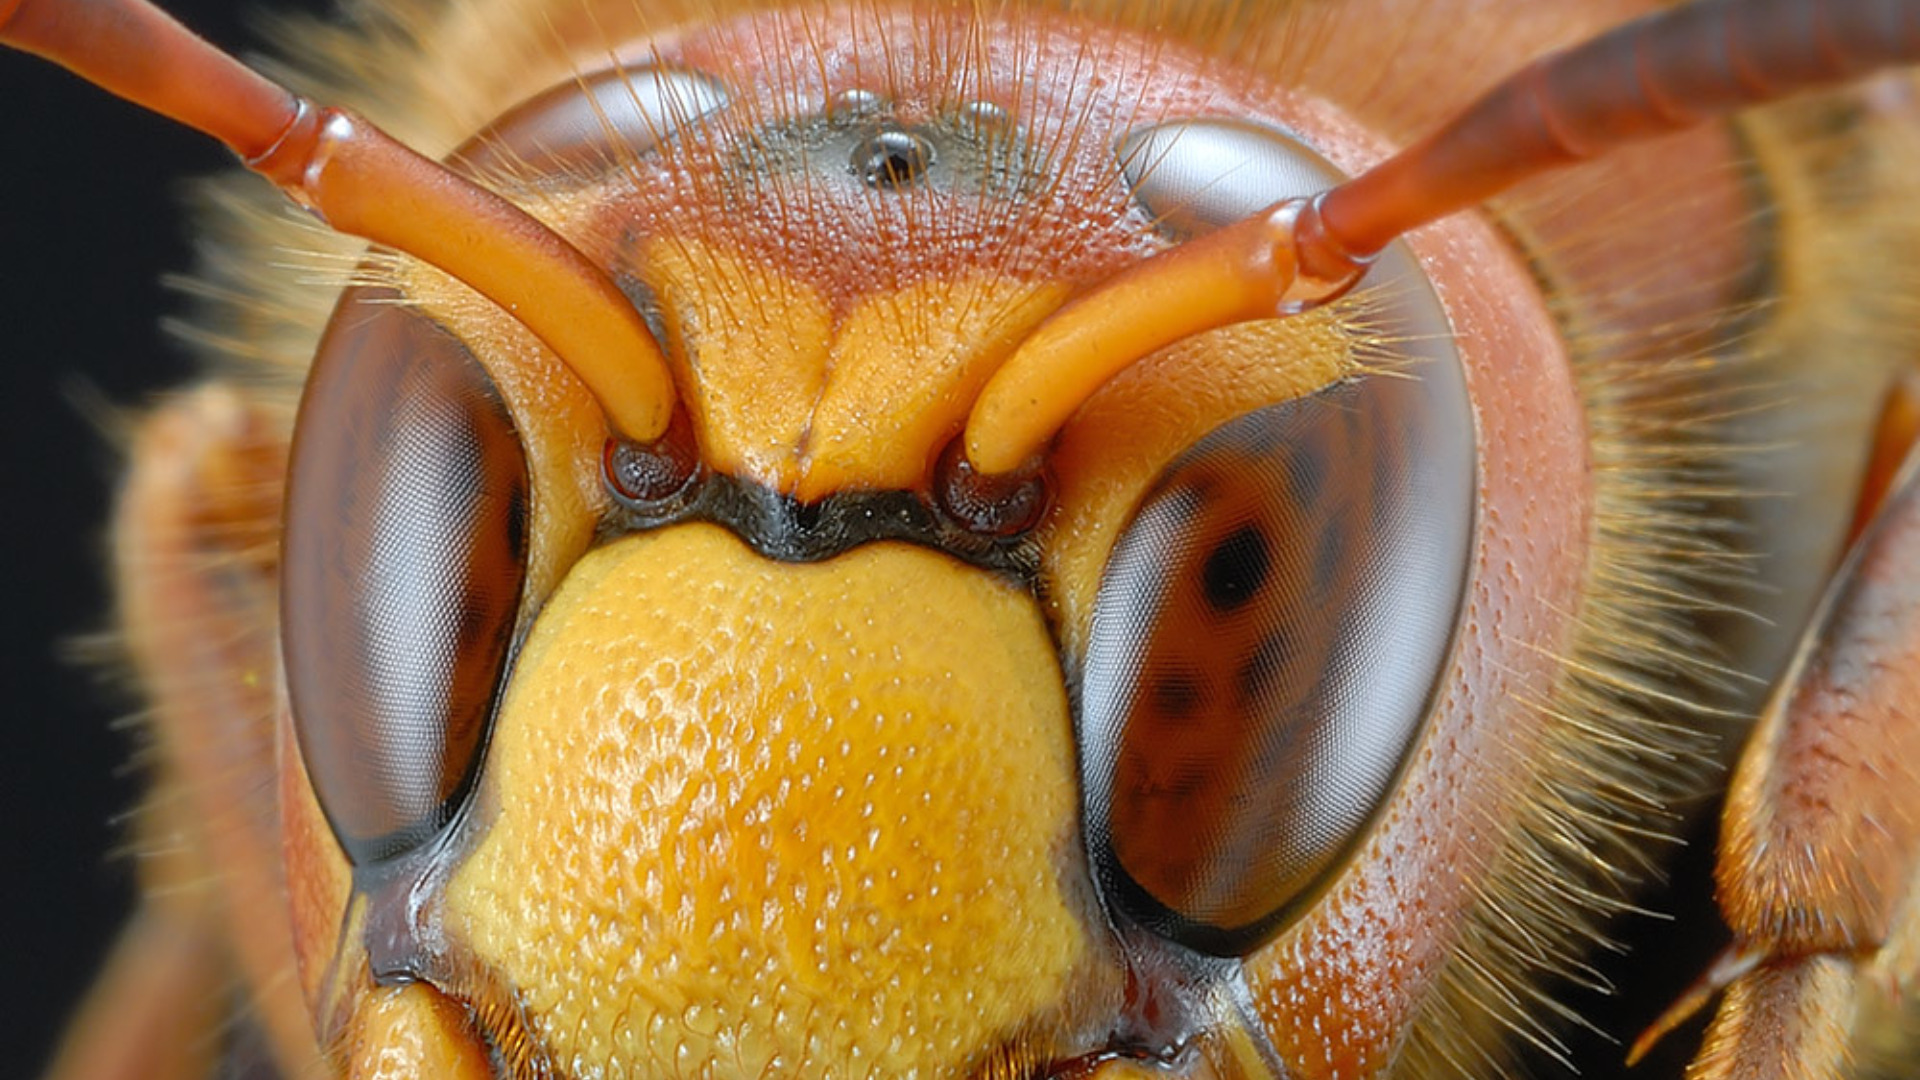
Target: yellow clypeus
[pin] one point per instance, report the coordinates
(768, 814)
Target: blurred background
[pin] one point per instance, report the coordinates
(89, 220)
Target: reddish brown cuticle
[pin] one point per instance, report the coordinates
(1004, 505)
(652, 472)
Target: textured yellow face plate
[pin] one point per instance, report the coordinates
(864, 399)
(750, 816)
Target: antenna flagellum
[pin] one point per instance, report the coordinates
(1650, 77)
(361, 181)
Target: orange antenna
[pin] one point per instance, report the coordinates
(361, 181)
(1649, 77)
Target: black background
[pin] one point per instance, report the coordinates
(90, 217)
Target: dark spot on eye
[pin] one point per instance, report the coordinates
(1175, 695)
(1256, 676)
(1236, 568)
(892, 159)
(517, 541)
(1326, 557)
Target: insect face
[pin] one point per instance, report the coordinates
(704, 770)
(773, 765)
(1286, 717)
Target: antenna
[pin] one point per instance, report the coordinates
(1650, 77)
(361, 181)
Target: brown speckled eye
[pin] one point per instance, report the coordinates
(1272, 624)
(1266, 642)
(405, 553)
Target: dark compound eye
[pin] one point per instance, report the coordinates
(1266, 643)
(404, 559)
(1273, 623)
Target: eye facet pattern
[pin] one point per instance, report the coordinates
(1273, 624)
(404, 560)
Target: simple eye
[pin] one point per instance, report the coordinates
(1273, 622)
(1194, 176)
(405, 553)
(568, 129)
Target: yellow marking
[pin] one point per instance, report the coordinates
(906, 367)
(412, 1031)
(752, 345)
(742, 816)
(785, 394)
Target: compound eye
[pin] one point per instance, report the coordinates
(1273, 623)
(1266, 643)
(404, 558)
(581, 127)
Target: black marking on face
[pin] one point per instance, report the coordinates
(783, 528)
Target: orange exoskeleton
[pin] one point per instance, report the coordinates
(933, 539)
